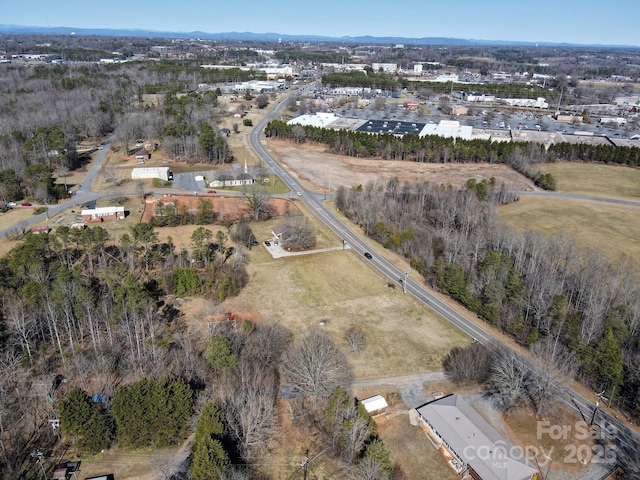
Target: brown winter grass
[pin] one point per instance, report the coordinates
(333, 291)
(613, 230)
(612, 181)
(411, 450)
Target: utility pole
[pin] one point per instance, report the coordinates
(305, 464)
(404, 282)
(38, 454)
(595, 410)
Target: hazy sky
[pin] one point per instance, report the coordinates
(572, 21)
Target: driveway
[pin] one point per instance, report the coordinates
(277, 251)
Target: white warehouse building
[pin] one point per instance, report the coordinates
(163, 173)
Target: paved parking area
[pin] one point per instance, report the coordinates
(276, 250)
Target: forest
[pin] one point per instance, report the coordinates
(92, 334)
(48, 111)
(532, 287)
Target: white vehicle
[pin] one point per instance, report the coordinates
(299, 194)
(163, 173)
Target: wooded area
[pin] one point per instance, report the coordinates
(533, 288)
(47, 111)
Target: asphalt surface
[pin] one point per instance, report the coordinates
(627, 441)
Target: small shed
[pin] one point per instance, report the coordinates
(142, 155)
(375, 405)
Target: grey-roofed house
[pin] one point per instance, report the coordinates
(472, 446)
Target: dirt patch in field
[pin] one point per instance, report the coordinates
(231, 208)
(321, 170)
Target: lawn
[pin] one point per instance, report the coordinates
(335, 290)
(412, 451)
(613, 230)
(613, 181)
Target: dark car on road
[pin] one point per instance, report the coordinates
(368, 255)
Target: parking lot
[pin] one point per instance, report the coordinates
(481, 117)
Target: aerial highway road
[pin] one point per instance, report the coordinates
(627, 441)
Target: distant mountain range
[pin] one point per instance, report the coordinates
(275, 37)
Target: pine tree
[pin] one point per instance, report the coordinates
(80, 417)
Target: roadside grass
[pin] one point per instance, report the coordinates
(334, 290)
(613, 181)
(612, 230)
(200, 167)
(411, 450)
(540, 436)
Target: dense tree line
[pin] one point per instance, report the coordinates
(435, 149)
(47, 110)
(97, 312)
(93, 308)
(359, 78)
(530, 287)
(410, 147)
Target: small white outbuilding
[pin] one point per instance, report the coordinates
(375, 405)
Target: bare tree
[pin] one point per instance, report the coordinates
(369, 469)
(316, 367)
(298, 134)
(508, 379)
(356, 339)
(298, 233)
(258, 199)
(468, 365)
(251, 416)
(110, 175)
(554, 367)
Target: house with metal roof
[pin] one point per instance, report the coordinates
(448, 128)
(374, 405)
(472, 446)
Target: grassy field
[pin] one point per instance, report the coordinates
(338, 289)
(595, 179)
(613, 230)
(411, 450)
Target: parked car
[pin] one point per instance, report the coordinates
(254, 243)
(26, 204)
(368, 255)
(267, 243)
(211, 191)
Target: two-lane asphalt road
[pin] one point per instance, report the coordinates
(627, 440)
(82, 195)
